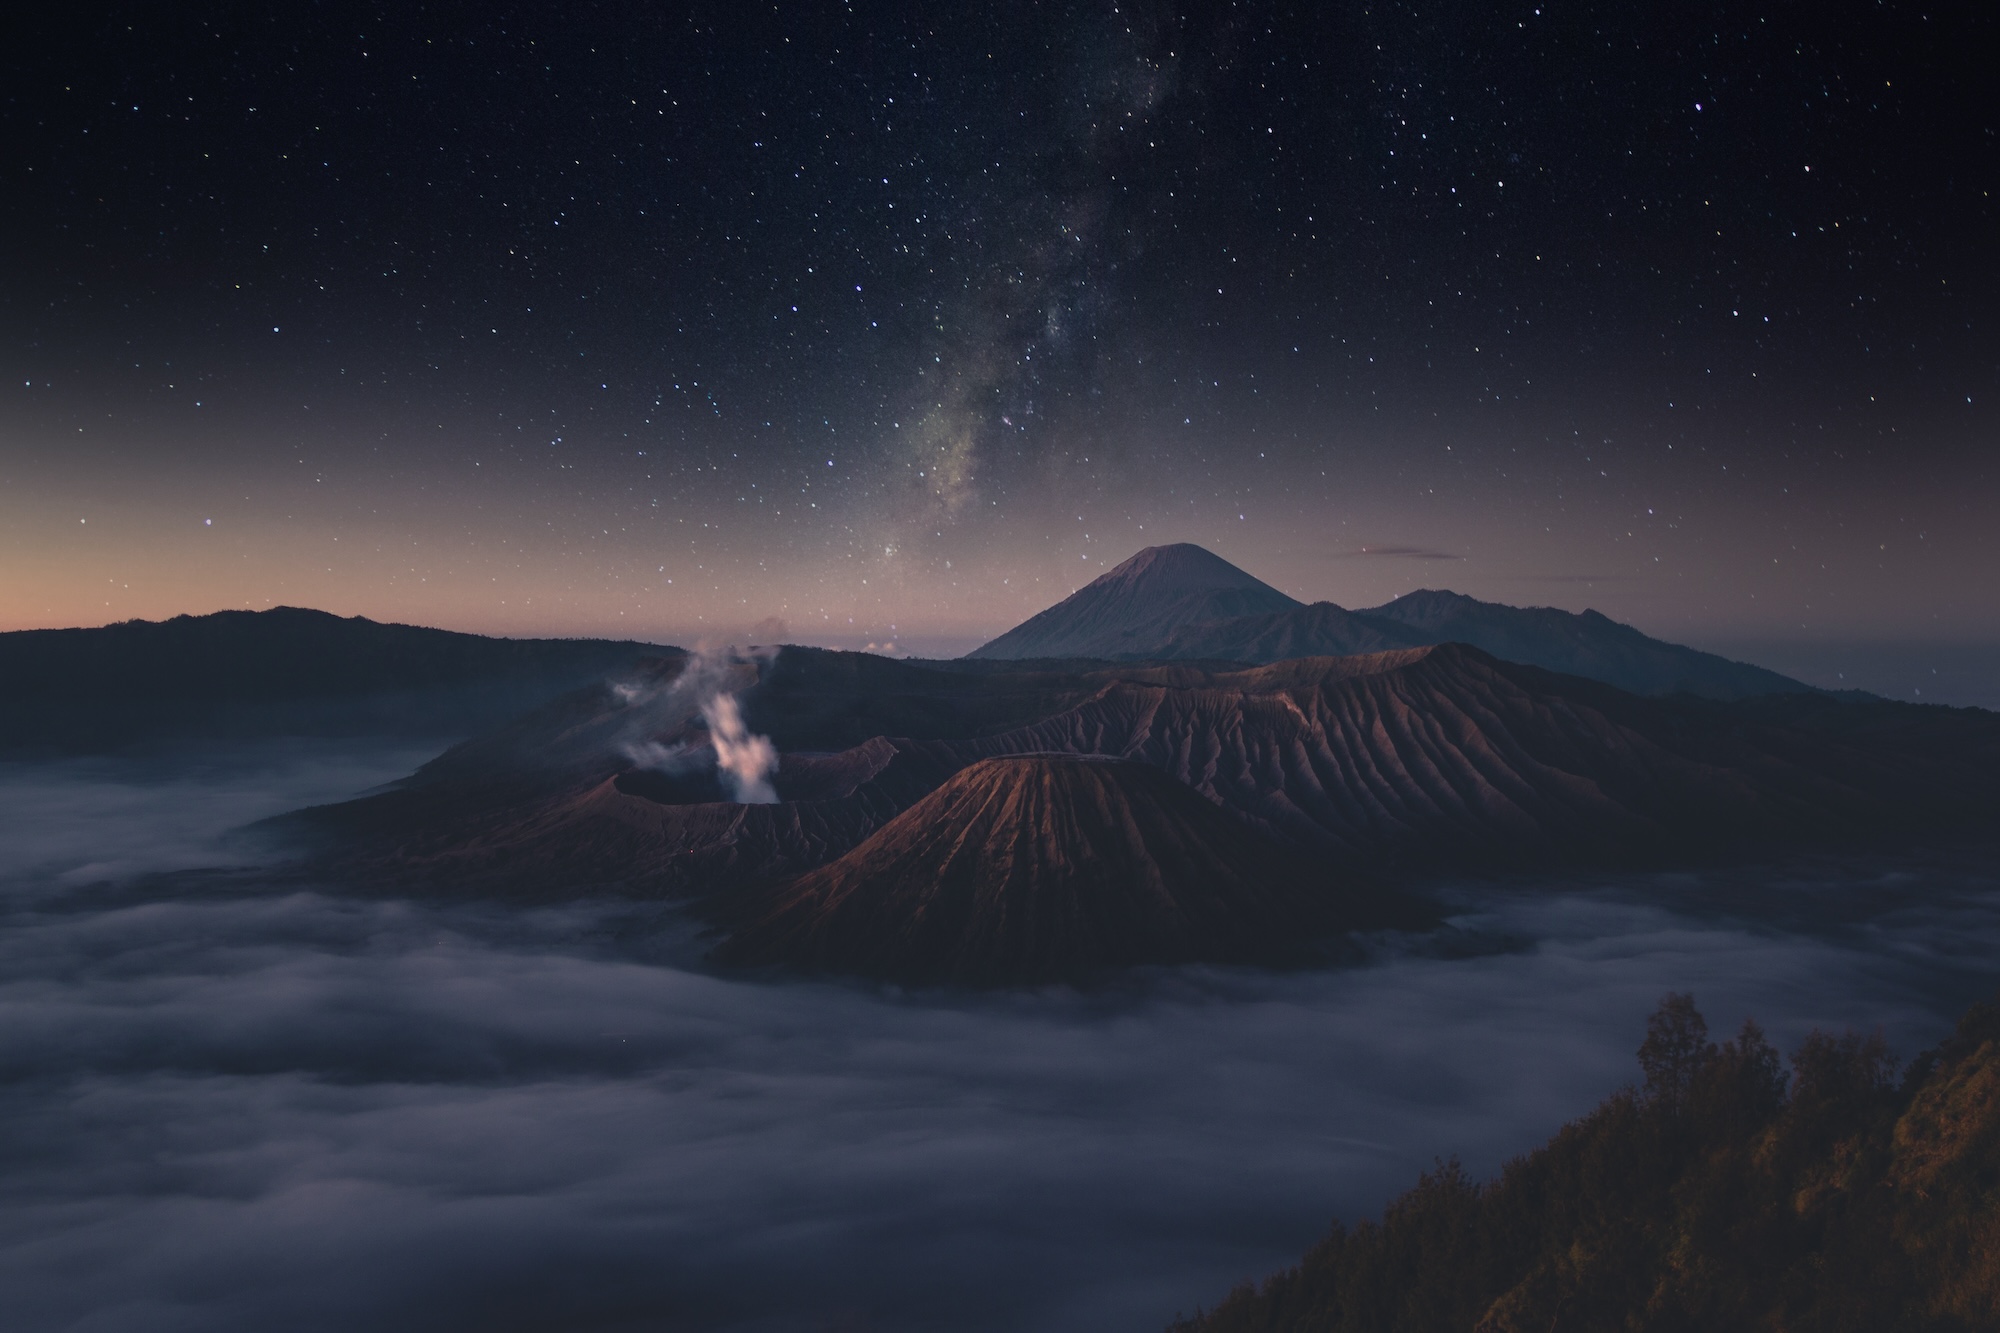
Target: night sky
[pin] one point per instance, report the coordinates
(897, 322)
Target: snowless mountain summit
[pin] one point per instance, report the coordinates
(1130, 611)
(1174, 603)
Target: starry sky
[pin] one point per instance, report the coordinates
(895, 323)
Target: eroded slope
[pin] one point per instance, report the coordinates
(1038, 867)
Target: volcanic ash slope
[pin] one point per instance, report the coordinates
(1049, 866)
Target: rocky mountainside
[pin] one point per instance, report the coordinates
(1318, 630)
(1130, 611)
(1391, 764)
(1044, 867)
(278, 672)
(1445, 756)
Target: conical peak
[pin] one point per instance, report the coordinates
(1183, 565)
(1133, 608)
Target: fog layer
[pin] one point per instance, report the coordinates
(229, 1101)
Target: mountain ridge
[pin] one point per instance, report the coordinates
(1581, 643)
(286, 670)
(1183, 603)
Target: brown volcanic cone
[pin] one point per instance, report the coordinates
(1045, 866)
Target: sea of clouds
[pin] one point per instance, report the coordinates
(230, 1099)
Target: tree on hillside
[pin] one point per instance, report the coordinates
(1723, 1193)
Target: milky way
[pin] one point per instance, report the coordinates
(894, 326)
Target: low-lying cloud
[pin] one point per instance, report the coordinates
(94, 818)
(230, 1103)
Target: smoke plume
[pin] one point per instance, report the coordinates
(745, 761)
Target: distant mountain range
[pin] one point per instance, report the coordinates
(278, 672)
(1234, 775)
(1182, 602)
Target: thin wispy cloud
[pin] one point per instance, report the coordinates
(1395, 553)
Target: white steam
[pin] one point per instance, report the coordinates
(743, 762)
(746, 761)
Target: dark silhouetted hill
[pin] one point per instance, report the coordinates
(1720, 1195)
(282, 671)
(1046, 867)
(1581, 644)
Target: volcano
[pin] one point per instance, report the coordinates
(1319, 630)
(1131, 611)
(1183, 603)
(1047, 867)
(1390, 765)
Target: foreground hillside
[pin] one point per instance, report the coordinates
(1720, 1195)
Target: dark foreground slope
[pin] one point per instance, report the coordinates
(277, 672)
(1721, 1195)
(1043, 867)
